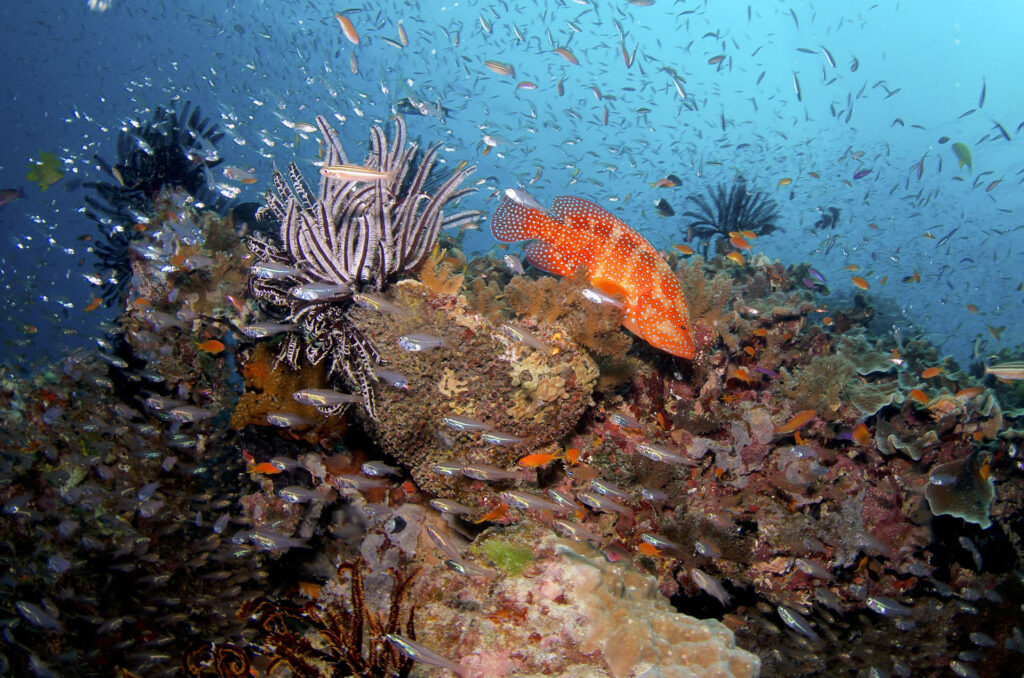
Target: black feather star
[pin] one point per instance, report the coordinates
(175, 149)
(728, 209)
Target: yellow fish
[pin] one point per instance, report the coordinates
(46, 171)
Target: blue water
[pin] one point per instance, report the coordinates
(74, 76)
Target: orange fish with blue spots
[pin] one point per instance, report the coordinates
(618, 261)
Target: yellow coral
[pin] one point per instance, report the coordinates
(451, 386)
(440, 271)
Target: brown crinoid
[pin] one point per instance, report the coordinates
(332, 638)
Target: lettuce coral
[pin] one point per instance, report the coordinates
(965, 491)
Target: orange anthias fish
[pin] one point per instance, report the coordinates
(799, 420)
(211, 346)
(618, 261)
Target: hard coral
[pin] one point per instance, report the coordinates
(570, 612)
(534, 394)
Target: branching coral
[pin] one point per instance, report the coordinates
(354, 235)
(725, 211)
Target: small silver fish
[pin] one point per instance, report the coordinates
(266, 539)
(797, 622)
(378, 469)
(563, 499)
(189, 414)
(499, 438)
(623, 420)
(710, 586)
(324, 397)
(660, 543)
(888, 607)
(272, 270)
(37, 616)
(576, 532)
(514, 264)
(489, 473)
(354, 173)
(442, 542)
(528, 501)
(285, 463)
(221, 523)
(609, 489)
(449, 470)
(942, 479)
(467, 568)
(653, 495)
(288, 420)
(160, 403)
(392, 378)
(812, 568)
(599, 297)
(601, 503)
(662, 454)
(375, 302)
(465, 424)
(521, 197)
(267, 329)
(707, 548)
(296, 494)
(320, 291)
(420, 342)
(449, 506)
(421, 653)
(523, 336)
(360, 483)
(828, 599)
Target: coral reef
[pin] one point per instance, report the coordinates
(535, 394)
(569, 612)
(803, 497)
(550, 301)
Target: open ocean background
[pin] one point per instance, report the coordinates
(924, 71)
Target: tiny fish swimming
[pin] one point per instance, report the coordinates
(618, 261)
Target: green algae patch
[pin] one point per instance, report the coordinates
(507, 557)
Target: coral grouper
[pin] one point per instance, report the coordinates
(618, 260)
